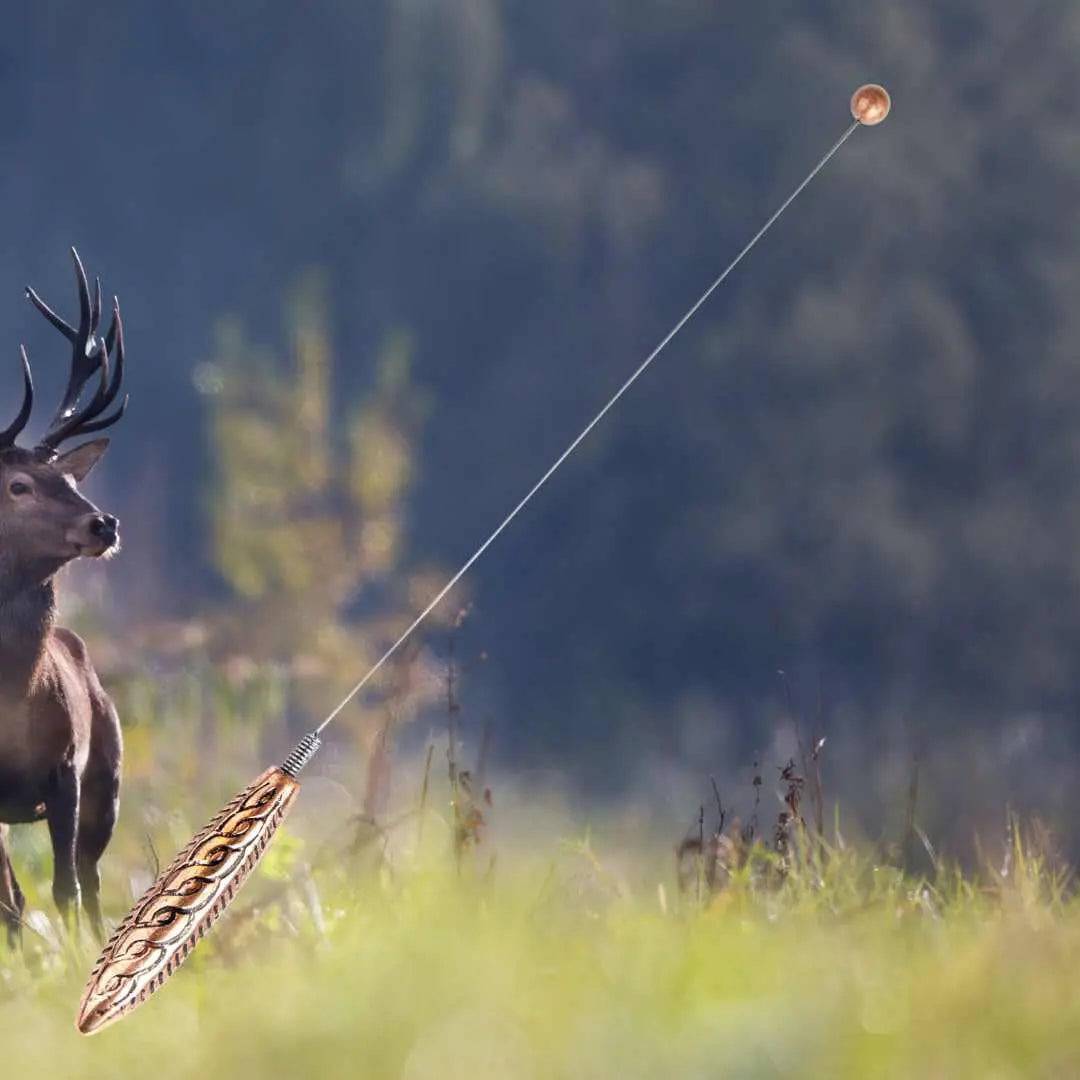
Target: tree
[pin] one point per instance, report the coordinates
(307, 525)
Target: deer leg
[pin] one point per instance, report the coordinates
(98, 805)
(12, 902)
(62, 814)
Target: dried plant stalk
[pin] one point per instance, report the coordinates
(168, 920)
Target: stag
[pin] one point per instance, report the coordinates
(60, 746)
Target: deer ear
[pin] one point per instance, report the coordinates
(77, 463)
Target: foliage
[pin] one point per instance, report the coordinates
(389, 960)
(306, 520)
(442, 931)
(862, 457)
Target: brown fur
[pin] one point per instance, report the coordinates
(60, 744)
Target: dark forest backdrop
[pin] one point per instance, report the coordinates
(861, 464)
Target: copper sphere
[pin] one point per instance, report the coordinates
(870, 104)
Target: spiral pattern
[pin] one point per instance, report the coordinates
(190, 893)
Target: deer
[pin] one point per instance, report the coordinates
(60, 741)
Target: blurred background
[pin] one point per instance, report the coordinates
(380, 262)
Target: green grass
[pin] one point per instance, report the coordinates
(547, 964)
(549, 952)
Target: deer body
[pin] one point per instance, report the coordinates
(60, 742)
(60, 749)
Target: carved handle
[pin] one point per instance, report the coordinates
(190, 893)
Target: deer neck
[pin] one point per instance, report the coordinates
(27, 615)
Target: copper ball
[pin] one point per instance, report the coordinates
(870, 104)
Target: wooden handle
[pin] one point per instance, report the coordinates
(168, 920)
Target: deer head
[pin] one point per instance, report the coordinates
(44, 521)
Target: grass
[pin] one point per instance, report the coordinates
(509, 943)
(393, 962)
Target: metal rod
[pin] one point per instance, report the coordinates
(639, 371)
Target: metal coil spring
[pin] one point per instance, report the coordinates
(301, 754)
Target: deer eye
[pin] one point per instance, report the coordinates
(19, 487)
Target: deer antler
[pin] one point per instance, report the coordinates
(73, 421)
(86, 345)
(90, 354)
(11, 433)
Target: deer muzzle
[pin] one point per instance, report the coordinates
(96, 534)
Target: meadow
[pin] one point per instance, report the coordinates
(378, 263)
(476, 933)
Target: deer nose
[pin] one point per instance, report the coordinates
(104, 527)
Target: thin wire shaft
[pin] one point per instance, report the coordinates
(641, 369)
